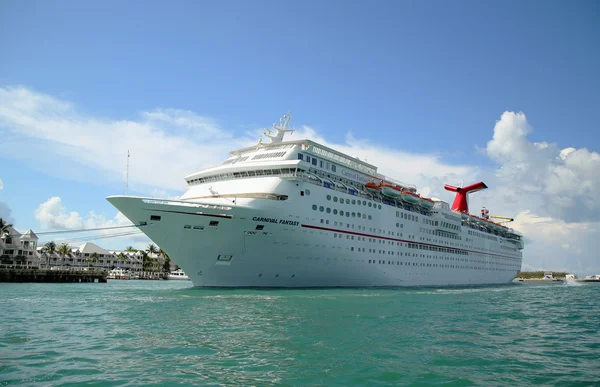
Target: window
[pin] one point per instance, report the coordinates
(214, 223)
(308, 159)
(260, 227)
(155, 218)
(333, 168)
(314, 161)
(300, 156)
(321, 163)
(307, 191)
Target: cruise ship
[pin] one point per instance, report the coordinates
(300, 214)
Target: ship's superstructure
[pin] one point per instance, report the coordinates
(299, 214)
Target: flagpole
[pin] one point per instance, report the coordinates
(127, 175)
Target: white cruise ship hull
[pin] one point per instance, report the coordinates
(218, 244)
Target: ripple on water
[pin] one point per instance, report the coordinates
(163, 333)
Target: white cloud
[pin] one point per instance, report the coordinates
(165, 144)
(562, 182)
(1, 184)
(53, 215)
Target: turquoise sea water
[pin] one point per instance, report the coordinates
(167, 333)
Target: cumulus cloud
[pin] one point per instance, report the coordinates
(53, 215)
(563, 182)
(165, 144)
(5, 210)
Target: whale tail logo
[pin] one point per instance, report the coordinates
(461, 203)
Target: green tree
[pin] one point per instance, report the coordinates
(166, 260)
(146, 261)
(49, 248)
(151, 249)
(64, 250)
(4, 228)
(130, 249)
(122, 258)
(92, 259)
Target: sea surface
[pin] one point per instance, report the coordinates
(135, 333)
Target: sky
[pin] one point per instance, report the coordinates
(431, 92)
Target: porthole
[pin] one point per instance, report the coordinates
(335, 211)
(358, 214)
(328, 210)
(369, 204)
(353, 201)
(347, 201)
(321, 208)
(307, 192)
(314, 207)
(379, 205)
(347, 214)
(335, 199)
(328, 197)
(364, 216)
(370, 217)
(354, 214)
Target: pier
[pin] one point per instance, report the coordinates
(34, 274)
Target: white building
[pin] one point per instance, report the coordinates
(18, 248)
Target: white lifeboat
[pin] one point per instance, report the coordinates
(410, 197)
(426, 202)
(372, 187)
(390, 190)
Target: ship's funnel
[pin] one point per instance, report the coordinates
(461, 204)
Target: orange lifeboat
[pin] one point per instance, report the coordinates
(426, 202)
(390, 190)
(372, 187)
(410, 197)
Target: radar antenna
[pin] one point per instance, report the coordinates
(280, 130)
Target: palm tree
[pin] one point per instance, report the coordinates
(122, 258)
(167, 260)
(4, 231)
(49, 248)
(130, 249)
(146, 261)
(63, 250)
(4, 228)
(92, 259)
(151, 249)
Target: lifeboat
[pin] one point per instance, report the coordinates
(390, 190)
(372, 187)
(410, 197)
(426, 202)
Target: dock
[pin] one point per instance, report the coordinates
(50, 276)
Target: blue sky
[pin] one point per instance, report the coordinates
(425, 78)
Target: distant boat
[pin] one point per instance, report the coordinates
(119, 274)
(178, 275)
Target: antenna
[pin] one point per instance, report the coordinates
(279, 130)
(127, 175)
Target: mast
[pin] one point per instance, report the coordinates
(127, 175)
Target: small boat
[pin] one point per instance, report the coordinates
(410, 197)
(177, 275)
(390, 190)
(119, 274)
(372, 187)
(426, 202)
